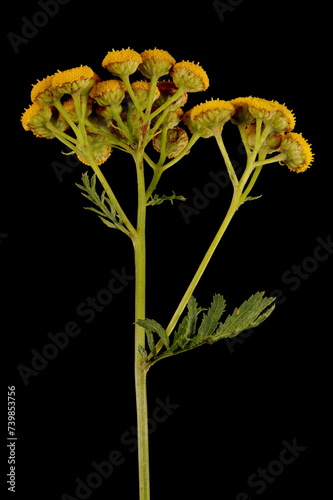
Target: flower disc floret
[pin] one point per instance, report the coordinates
(189, 76)
(122, 62)
(80, 79)
(297, 151)
(108, 92)
(156, 63)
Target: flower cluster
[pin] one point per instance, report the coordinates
(267, 126)
(92, 116)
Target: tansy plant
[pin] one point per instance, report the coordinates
(146, 119)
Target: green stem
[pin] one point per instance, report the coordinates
(140, 313)
(185, 151)
(169, 101)
(163, 143)
(152, 186)
(235, 203)
(252, 182)
(159, 169)
(151, 96)
(227, 161)
(122, 126)
(66, 139)
(63, 112)
(129, 89)
(274, 159)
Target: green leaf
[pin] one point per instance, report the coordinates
(187, 327)
(210, 320)
(252, 198)
(143, 353)
(105, 209)
(158, 200)
(250, 314)
(150, 325)
(108, 223)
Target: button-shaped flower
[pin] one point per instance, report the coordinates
(76, 80)
(272, 113)
(189, 76)
(99, 150)
(297, 151)
(177, 140)
(283, 119)
(141, 90)
(122, 62)
(247, 109)
(156, 63)
(108, 92)
(36, 118)
(208, 118)
(43, 91)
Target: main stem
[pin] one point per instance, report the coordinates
(140, 313)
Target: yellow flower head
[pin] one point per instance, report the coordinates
(43, 92)
(156, 63)
(177, 140)
(189, 76)
(209, 117)
(141, 91)
(274, 114)
(108, 92)
(249, 108)
(80, 79)
(36, 118)
(283, 119)
(297, 151)
(122, 62)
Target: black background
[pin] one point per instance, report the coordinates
(238, 403)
